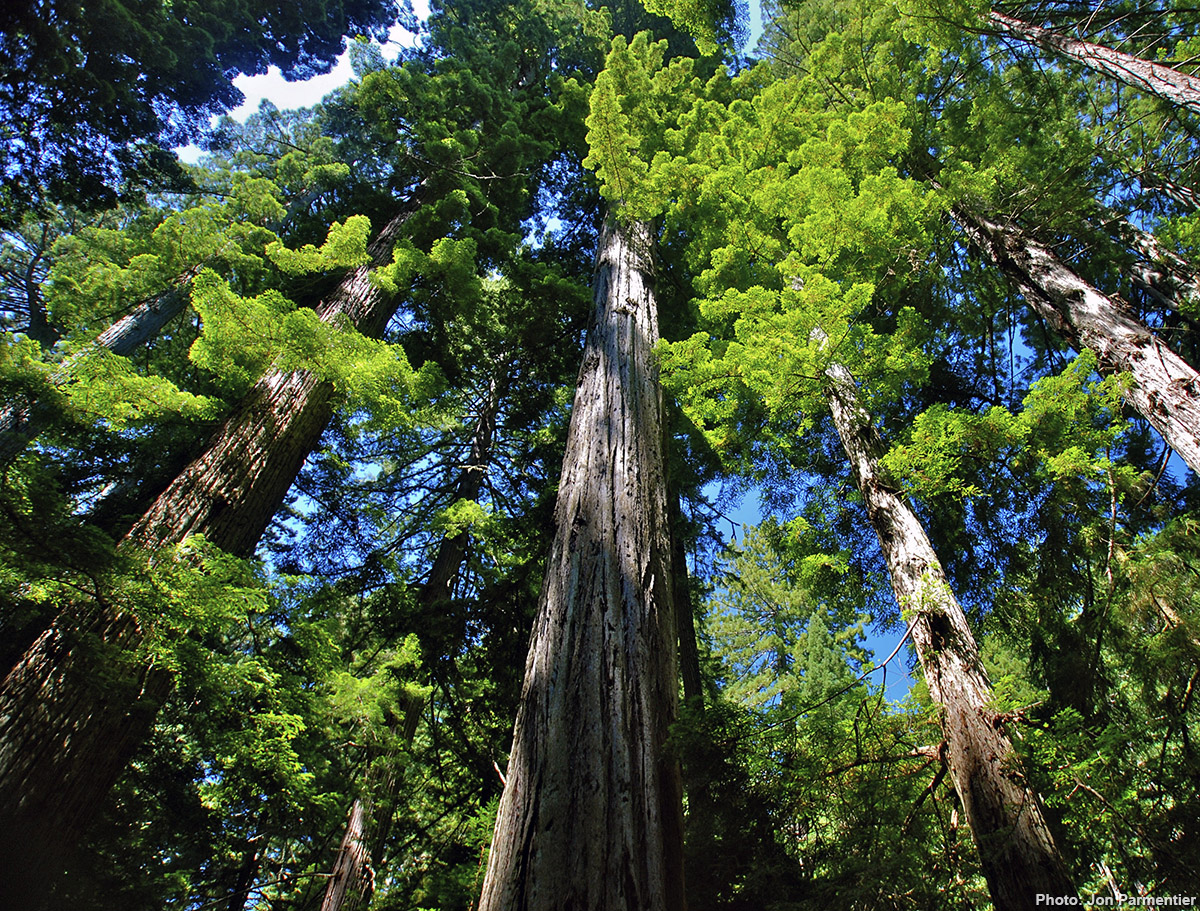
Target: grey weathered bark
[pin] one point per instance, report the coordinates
(353, 880)
(1163, 81)
(1165, 388)
(591, 816)
(1016, 848)
(66, 732)
(1184, 195)
(21, 421)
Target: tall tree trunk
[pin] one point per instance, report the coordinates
(1016, 849)
(353, 880)
(591, 816)
(67, 729)
(1169, 84)
(1165, 389)
(233, 489)
(39, 328)
(147, 319)
(72, 713)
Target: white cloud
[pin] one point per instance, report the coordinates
(290, 95)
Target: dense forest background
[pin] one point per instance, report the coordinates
(398, 420)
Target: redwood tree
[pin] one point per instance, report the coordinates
(352, 881)
(65, 735)
(1165, 389)
(1166, 82)
(1016, 848)
(591, 816)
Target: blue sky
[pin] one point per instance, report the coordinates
(290, 95)
(286, 95)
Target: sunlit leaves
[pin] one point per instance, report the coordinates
(1069, 426)
(344, 248)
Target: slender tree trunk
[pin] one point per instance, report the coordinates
(22, 420)
(1016, 849)
(39, 328)
(1161, 272)
(685, 613)
(444, 571)
(69, 722)
(1169, 84)
(1165, 389)
(246, 873)
(591, 816)
(353, 880)
(148, 318)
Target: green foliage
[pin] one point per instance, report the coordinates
(243, 337)
(1069, 426)
(806, 784)
(93, 89)
(634, 104)
(344, 248)
(802, 208)
(99, 273)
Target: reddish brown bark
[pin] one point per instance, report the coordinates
(352, 877)
(1016, 848)
(591, 816)
(231, 491)
(1167, 83)
(66, 731)
(72, 712)
(1165, 388)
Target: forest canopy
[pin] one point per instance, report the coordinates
(368, 486)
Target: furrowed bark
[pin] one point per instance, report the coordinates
(353, 880)
(352, 876)
(1165, 389)
(72, 713)
(591, 816)
(1163, 81)
(1016, 849)
(233, 489)
(63, 740)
